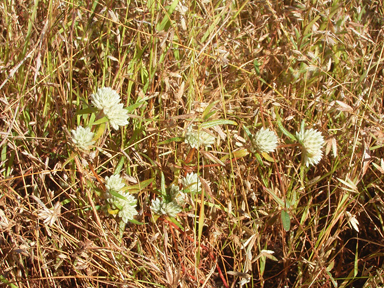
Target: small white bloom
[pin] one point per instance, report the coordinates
(117, 116)
(197, 138)
(178, 196)
(157, 206)
(82, 137)
(160, 207)
(129, 199)
(353, 221)
(264, 140)
(126, 205)
(311, 141)
(105, 98)
(172, 209)
(127, 213)
(114, 183)
(108, 100)
(192, 182)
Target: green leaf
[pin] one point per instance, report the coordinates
(207, 112)
(121, 229)
(259, 159)
(72, 157)
(99, 132)
(166, 22)
(216, 123)
(267, 157)
(174, 221)
(236, 154)
(256, 65)
(275, 197)
(170, 140)
(162, 186)
(101, 121)
(249, 134)
(5, 281)
(138, 187)
(286, 220)
(87, 111)
(119, 166)
(117, 195)
(134, 106)
(136, 222)
(285, 131)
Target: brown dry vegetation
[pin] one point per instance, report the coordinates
(261, 64)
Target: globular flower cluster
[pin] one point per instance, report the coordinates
(197, 138)
(82, 137)
(311, 141)
(108, 100)
(177, 198)
(126, 203)
(191, 182)
(177, 195)
(264, 140)
(161, 207)
(171, 206)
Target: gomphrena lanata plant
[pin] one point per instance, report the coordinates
(168, 99)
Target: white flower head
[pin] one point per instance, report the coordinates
(117, 116)
(82, 137)
(127, 213)
(178, 196)
(160, 207)
(157, 206)
(264, 140)
(114, 183)
(192, 182)
(311, 141)
(197, 138)
(108, 100)
(105, 98)
(126, 204)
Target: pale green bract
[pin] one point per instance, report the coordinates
(311, 141)
(82, 137)
(192, 182)
(264, 140)
(108, 100)
(197, 138)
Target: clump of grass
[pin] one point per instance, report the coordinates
(198, 81)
